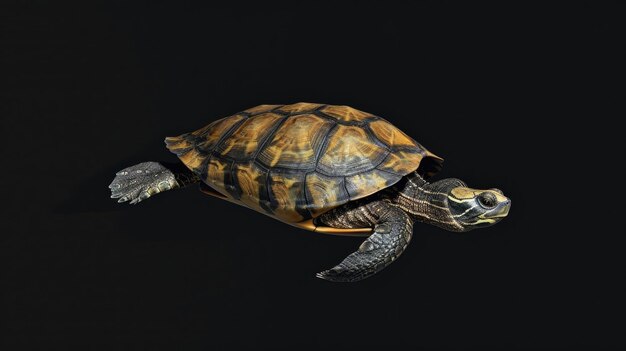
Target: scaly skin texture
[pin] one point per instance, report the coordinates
(143, 180)
(393, 229)
(391, 213)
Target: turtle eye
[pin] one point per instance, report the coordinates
(487, 200)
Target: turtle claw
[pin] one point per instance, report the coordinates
(141, 181)
(333, 274)
(322, 275)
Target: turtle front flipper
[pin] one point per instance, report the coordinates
(392, 233)
(139, 182)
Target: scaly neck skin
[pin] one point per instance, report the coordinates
(427, 202)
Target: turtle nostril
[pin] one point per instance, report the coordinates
(506, 207)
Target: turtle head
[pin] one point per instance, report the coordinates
(451, 205)
(473, 208)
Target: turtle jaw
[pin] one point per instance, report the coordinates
(502, 210)
(494, 216)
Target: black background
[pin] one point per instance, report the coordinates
(519, 97)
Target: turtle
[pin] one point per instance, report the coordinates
(324, 168)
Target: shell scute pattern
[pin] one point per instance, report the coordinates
(349, 151)
(295, 143)
(295, 162)
(246, 139)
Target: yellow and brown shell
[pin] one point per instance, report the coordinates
(295, 162)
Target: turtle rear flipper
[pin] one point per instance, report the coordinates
(139, 182)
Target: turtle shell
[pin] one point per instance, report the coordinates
(295, 162)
